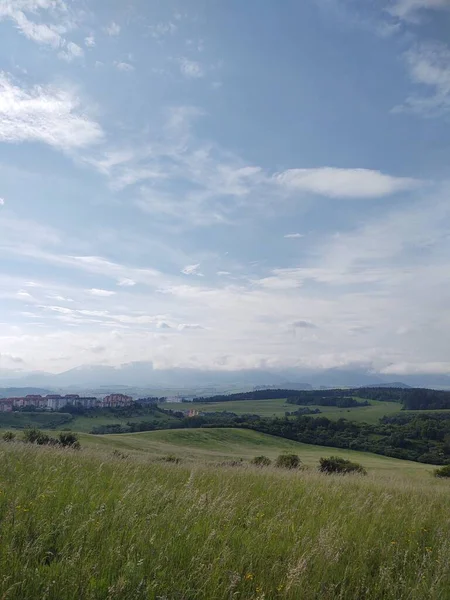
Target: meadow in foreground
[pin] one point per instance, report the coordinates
(89, 525)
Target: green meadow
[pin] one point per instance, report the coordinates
(278, 407)
(95, 525)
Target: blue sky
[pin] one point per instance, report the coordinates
(229, 185)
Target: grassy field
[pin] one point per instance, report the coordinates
(84, 423)
(89, 526)
(22, 420)
(215, 445)
(270, 408)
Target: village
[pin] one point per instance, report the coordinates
(57, 402)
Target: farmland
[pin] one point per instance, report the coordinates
(278, 407)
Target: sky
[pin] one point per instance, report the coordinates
(225, 185)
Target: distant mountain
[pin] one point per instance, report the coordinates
(143, 375)
(18, 392)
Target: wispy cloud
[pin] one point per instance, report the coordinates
(45, 22)
(71, 52)
(410, 9)
(192, 270)
(101, 293)
(45, 114)
(126, 282)
(429, 66)
(344, 183)
(293, 235)
(184, 326)
(124, 66)
(89, 41)
(112, 29)
(2, 201)
(42, 33)
(191, 68)
(161, 29)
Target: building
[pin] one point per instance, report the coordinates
(115, 400)
(6, 405)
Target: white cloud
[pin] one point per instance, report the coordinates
(223, 273)
(40, 33)
(126, 282)
(344, 183)
(192, 270)
(184, 326)
(191, 68)
(293, 235)
(429, 66)
(411, 368)
(89, 41)
(160, 30)
(2, 202)
(71, 52)
(45, 114)
(124, 66)
(408, 9)
(99, 292)
(44, 22)
(112, 29)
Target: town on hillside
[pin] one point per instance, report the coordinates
(57, 402)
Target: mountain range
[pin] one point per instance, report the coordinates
(144, 375)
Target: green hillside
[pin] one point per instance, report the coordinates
(94, 526)
(212, 445)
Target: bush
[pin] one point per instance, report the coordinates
(69, 440)
(118, 454)
(288, 461)
(335, 464)
(261, 461)
(35, 436)
(8, 436)
(171, 458)
(442, 472)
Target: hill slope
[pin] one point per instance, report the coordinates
(212, 445)
(77, 525)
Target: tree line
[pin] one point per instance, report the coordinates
(421, 438)
(410, 398)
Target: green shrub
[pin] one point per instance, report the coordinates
(336, 464)
(261, 461)
(69, 440)
(36, 436)
(118, 454)
(443, 471)
(171, 458)
(288, 461)
(9, 436)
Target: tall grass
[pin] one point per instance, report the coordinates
(86, 526)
